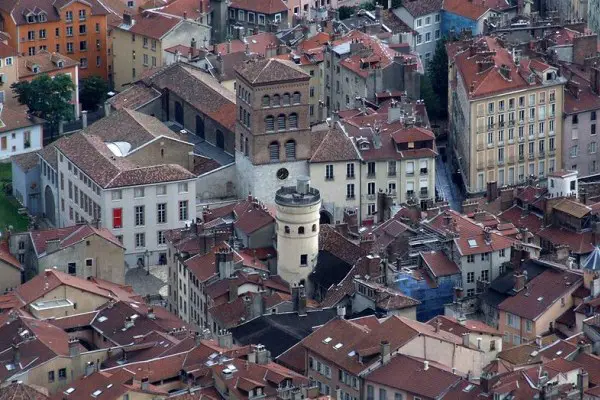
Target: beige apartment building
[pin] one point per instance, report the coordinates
(506, 114)
(138, 43)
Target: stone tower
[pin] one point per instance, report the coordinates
(273, 126)
(297, 231)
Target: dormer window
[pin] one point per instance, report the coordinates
(60, 64)
(35, 69)
(531, 78)
(42, 17)
(31, 19)
(550, 76)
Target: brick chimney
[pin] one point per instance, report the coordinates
(520, 281)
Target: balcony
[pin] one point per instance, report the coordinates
(521, 121)
(392, 173)
(501, 143)
(490, 127)
(521, 138)
(490, 145)
(371, 196)
(551, 133)
(511, 141)
(552, 152)
(531, 156)
(541, 134)
(511, 122)
(410, 194)
(423, 171)
(491, 163)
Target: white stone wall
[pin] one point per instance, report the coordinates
(18, 141)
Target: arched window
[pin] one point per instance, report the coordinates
(287, 229)
(314, 227)
(286, 99)
(296, 98)
(290, 150)
(293, 121)
(301, 230)
(266, 101)
(246, 148)
(276, 101)
(281, 122)
(270, 123)
(274, 151)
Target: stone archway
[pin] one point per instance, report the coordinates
(49, 205)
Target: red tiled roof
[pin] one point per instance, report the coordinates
(193, 9)
(69, 236)
(452, 325)
(466, 8)
(578, 242)
(8, 258)
(413, 134)
(421, 8)
(153, 25)
(409, 374)
(542, 291)
(520, 219)
(439, 263)
(257, 44)
(251, 216)
(335, 146)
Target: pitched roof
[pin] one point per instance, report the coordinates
(470, 9)
(152, 25)
(439, 263)
(452, 325)
(572, 208)
(541, 292)
(68, 237)
(259, 71)
(134, 97)
(13, 118)
(335, 146)
(522, 219)
(260, 6)
(21, 391)
(256, 44)
(578, 242)
(419, 8)
(410, 374)
(46, 61)
(19, 9)
(26, 161)
(7, 257)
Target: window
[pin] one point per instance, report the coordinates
(138, 192)
(300, 230)
(43, 33)
(382, 394)
(266, 101)
(419, 23)
(575, 119)
(437, 17)
(370, 392)
(161, 213)
(485, 275)
(410, 168)
(182, 187)
(470, 277)
(304, 259)
(160, 239)
(528, 325)
(436, 35)
(72, 268)
(50, 376)
(427, 20)
(371, 168)
(350, 191)
(140, 218)
(391, 168)
(427, 37)
(146, 59)
(350, 170)
(270, 123)
(117, 218)
(81, 15)
(419, 39)
(293, 119)
(97, 28)
(274, 151)
(140, 240)
(513, 320)
(290, 150)
(69, 47)
(314, 227)
(117, 194)
(470, 259)
(31, 35)
(281, 122)
(183, 210)
(329, 172)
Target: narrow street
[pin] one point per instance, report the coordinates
(447, 189)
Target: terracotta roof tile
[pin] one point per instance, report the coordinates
(13, 118)
(408, 374)
(542, 291)
(46, 61)
(69, 236)
(257, 44)
(7, 257)
(578, 242)
(21, 391)
(452, 325)
(26, 161)
(336, 146)
(419, 8)
(270, 70)
(439, 264)
(521, 219)
(469, 9)
(152, 25)
(134, 97)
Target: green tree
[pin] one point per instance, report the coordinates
(396, 3)
(437, 72)
(47, 98)
(368, 5)
(92, 91)
(345, 12)
(432, 101)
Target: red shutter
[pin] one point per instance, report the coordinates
(117, 217)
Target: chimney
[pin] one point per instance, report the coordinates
(193, 43)
(492, 191)
(224, 262)
(73, 347)
(487, 235)
(261, 354)
(224, 339)
(479, 343)
(185, 15)
(385, 351)
(425, 365)
(233, 289)
(519, 282)
(150, 313)
(197, 339)
(538, 341)
(484, 383)
(228, 46)
(466, 339)
(595, 79)
(583, 382)
(144, 384)
(438, 324)
(394, 112)
(378, 8)
(341, 312)
(129, 323)
(299, 299)
(84, 119)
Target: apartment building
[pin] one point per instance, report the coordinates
(505, 112)
(20, 133)
(139, 42)
(10, 268)
(78, 29)
(361, 66)
(257, 15)
(580, 125)
(132, 174)
(425, 18)
(372, 152)
(593, 17)
(481, 255)
(8, 71)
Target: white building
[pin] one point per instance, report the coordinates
(297, 231)
(563, 183)
(19, 132)
(425, 17)
(131, 173)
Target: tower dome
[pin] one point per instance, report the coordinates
(297, 230)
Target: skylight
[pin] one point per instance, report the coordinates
(540, 298)
(102, 319)
(352, 353)
(338, 346)
(468, 388)
(472, 243)
(97, 393)
(69, 390)
(327, 340)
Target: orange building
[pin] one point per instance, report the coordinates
(77, 28)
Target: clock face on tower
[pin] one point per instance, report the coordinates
(282, 173)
